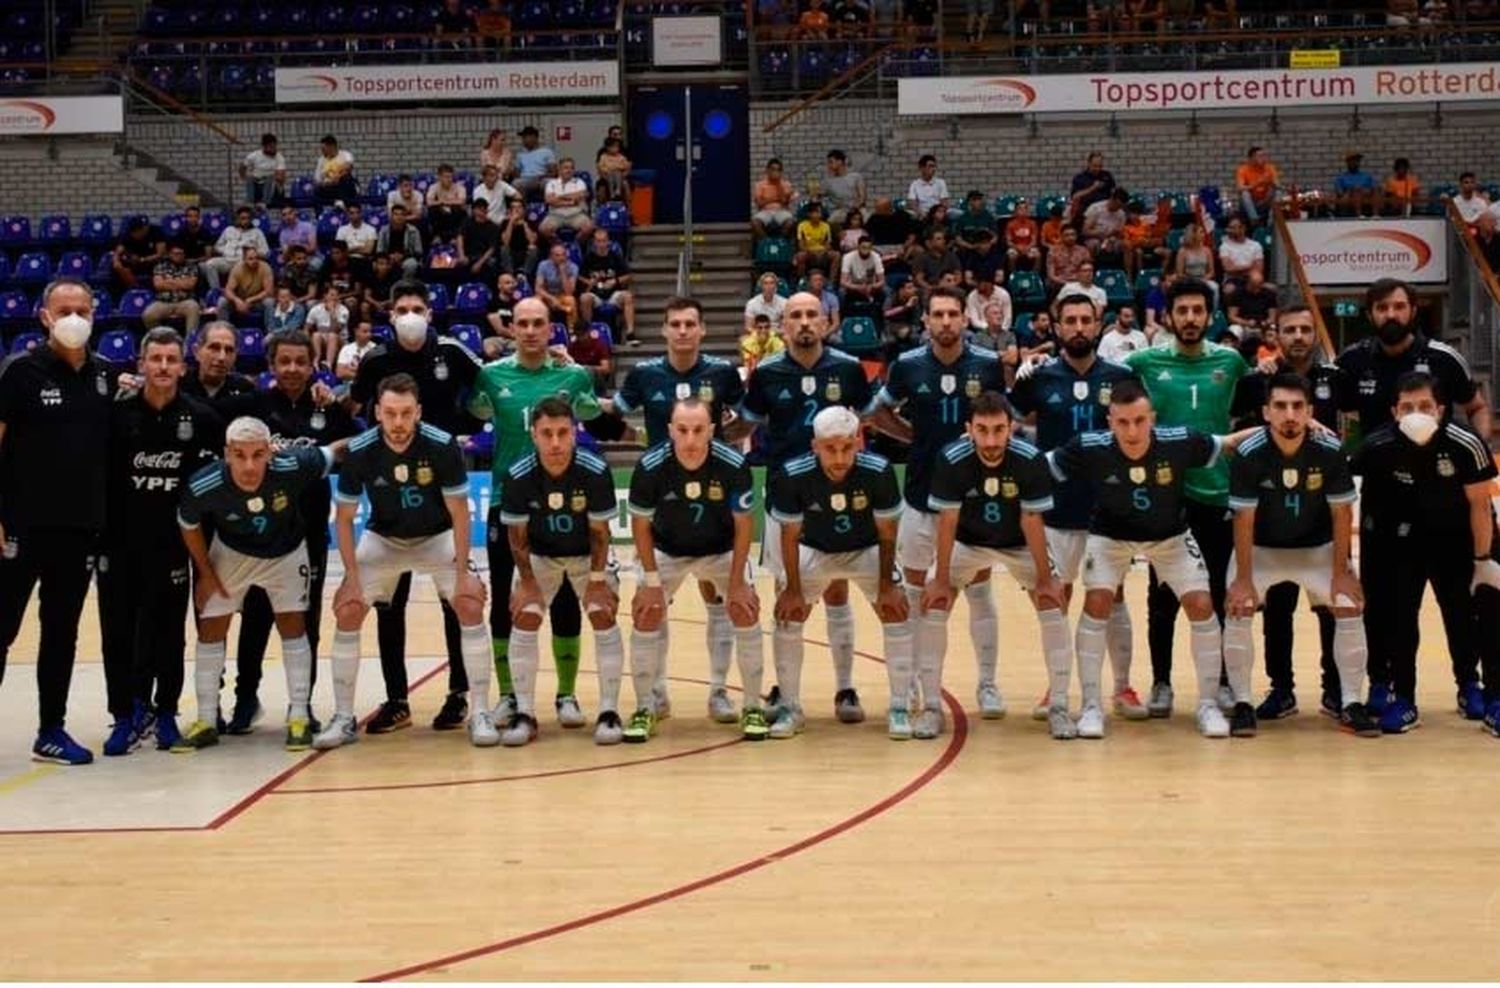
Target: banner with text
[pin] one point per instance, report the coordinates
(48, 115)
(424, 83)
(1357, 252)
(1261, 89)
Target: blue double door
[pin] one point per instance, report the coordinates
(698, 133)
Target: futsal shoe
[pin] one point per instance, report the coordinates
(1331, 705)
(1091, 722)
(1471, 701)
(991, 703)
(1381, 696)
(773, 698)
(246, 713)
(55, 746)
(721, 707)
(1042, 709)
(482, 732)
(928, 725)
(608, 729)
(199, 735)
(1060, 725)
(753, 726)
(122, 738)
(393, 715)
(1160, 704)
(505, 709)
(299, 734)
(1128, 704)
(520, 732)
(1355, 719)
(661, 701)
(642, 725)
(1211, 722)
(847, 708)
(144, 719)
(1400, 716)
(167, 733)
(569, 713)
(1242, 721)
(788, 722)
(1492, 718)
(341, 730)
(454, 713)
(1278, 705)
(1226, 698)
(898, 724)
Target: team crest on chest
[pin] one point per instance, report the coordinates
(948, 383)
(1105, 391)
(706, 392)
(401, 473)
(809, 385)
(580, 502)
(255, 505)
(1422, 367)
(1289, 477)
(1323, 392)
(440, 370)
(838, 502)
(861, 502)
(991, 486)
(693, 490)
(834, 392)
(1163, 474)
(683, 390)
(1080, 390)
(1137, 475)
(184, 430)
(1009, 489)
(101, 383)
(318, 421)
(424, 474)
(555, 500)
(1444, 466)
(279, 501)
(973, 387)
(1314, 479)
(715, 491)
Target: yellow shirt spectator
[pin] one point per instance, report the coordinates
(814, 236)
(756, 346)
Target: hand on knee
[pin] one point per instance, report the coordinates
(469, 610)
(527, 621)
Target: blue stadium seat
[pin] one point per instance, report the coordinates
(103, 271)
(422, 181)
(1145, 281)
(328, 225)
(34, 268)
(15, 231)
(437, 298)
(472, 298)
(614, 218)
(251, 357)
(117, 346)
(302, 191)
(533, 15)
(75, 264)
(55, 231)
(774, 253)
(378, 187)
(26, 341)
(536, 212)
(469, 335)
(1116, 285)
(214, 222)
(603, 329)
(96, 230)
(382, 333)
(104, 306)
(1028, 290)
(813, 67)
(15, 306)
(134, 302)
(559, 335)
(776, 68)
(859, 335)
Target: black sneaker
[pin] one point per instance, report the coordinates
(393, 715)
(1277, 704)
(1242, 721)
(773, 698)
(1332, 705)
(1355, 719)
(454, 714)
(246, 713)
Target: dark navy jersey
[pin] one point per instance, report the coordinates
(654, 386)
(266, 522)
(1370, 376)
(153, 452)
(935, 398)
(1068, 404)
(444, 370)
(785, 396)
(1254, 390)
(691, 511)
(835, 517)
(406, 489)
(557, 510)
(1290, 495)
(990, 499)
(1140, 500)
(232, 386)
(1419, 489)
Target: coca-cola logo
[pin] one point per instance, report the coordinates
(280, 442)
(167, 460)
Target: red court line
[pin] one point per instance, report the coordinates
(944, 760)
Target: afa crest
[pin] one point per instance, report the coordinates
(1137, 475)
(693, 489)
(580, 503)
(424, 474)
(255, 505)
(1163, 474)
(1314, 480)
(401, 473)
(1289, 477)
(834, 391)
(838, 502)
(973, 388)
(991, 486)
(279, 501)
(555, 500)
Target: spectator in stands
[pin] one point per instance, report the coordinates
(1093, 184)
(920, 18)
(297, 275)
(534, 165)
(614, 133)
(231, 244)
(401, 242)
(250, 283)
(375, 294)
(983, 259)
(1022, 248)
(283, 313)
(447, 206)
(136, 255)
(995, 334)
(1239, 255)
(759, 342)
(454, 25)
(813, 24)
(604, 279)
(1140, 239)
(974, 222)
(1487, 235)
(1084, 285)
(843, 189)
(772, 198)
(496, 191)
(937, 219)
(1470, 201)
(902, 317)
(767, 302)
(1039, 339)
(296, 232)
(927, 189)
(938, 259)
(1122, 337)
(478, 243)
(496, 155)
(359, 237)
(1257, 181)
(557, 285)
(328, 325)
(1052, 228)
(1104, 228)
(589, 348)
(333, 174)
(1067, 259)
(1354, 189)
(853, 231)
(501, 311)
(339, 274)
(1195, 260)
(567, 198)
(519, 240)
(814, 241)
(354, 351)
(862, 278)
(1402, 191)
(895, 232)
(406, 196)
(984, 295)
(977, 19)
(264, 174)
(1253, 307)
(174, 279)
(193, 237)
(817, 285)
(612, 169)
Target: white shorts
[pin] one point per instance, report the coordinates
(1311, 568)
(1178, 562)
(819, 569)
(971, 560)
(1065, 546)
(916, 539)
(770, 549)
(616, 298)
(382, 562)
(673, 570)
(285, 580)
(773, 217)
(551, 570)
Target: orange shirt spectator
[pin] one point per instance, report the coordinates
(1021, 233)
(1257, 176)
(1052, 232)
(814, 21)
(1402, 189)
(1137, 232)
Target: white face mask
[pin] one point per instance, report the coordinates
(72, 331)
(411, 327)
(1419, 427)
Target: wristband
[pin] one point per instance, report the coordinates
(596, 576)
(1482, 559)
(652, 579)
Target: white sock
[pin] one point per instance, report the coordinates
(1208, 657)
(660, 678)
(984, 629)
(1058, 653)
(914, 621)
(474, 647)
(930, 659)
(751, 651)
(645, 656)
(345, 670)
(523, 659)
(1090, 645)
(898, 661)
(1120, 645)
(1239, 655)
(720, 635)
(609, 653)
(208, 669)
(841, 643)
(1350, 653)
(296, 656)
(786, 654)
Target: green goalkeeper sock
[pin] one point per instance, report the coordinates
(501, 648)
(565, 653)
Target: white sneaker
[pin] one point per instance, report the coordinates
(482, 732)
(928, 725)
(788, 723)
(662, 701)
(569, 713)
(1226, 698)
(1211, 722)
(521, 732)
(721, 709)
(1060, 725)
(1091, 721)
(1160, 704)
(341, 730)
(608, 729)
(898, 724)
(1042, 709)
(505, 709)
(1128, 704)
(991, 703)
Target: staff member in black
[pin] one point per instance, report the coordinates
(215, 380)
(444, 370)
(54, 426)
(1426, 517)
(158, 438)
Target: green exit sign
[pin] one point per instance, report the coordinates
(1346, 310)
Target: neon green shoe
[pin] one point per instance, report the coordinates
(753, 724)
(299, 735)
(198, 735)
(642, 725)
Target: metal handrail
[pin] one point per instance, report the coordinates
(1481, 264)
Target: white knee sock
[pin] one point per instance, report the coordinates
(1120, 645)
(898, 660)
(659, 679)
(751, 651)
(474, 644)
(930, 659)
(296, 656)
(1350, 653)
(1058, 653)
(523, 659)
(1208, 657)
(609, 653)
(645, 656)
(984, 629)
(786, 654)
(721, 637)
(1090, 645)
(841, 643)
(345, 671)
(208, 669)
(1239, 655)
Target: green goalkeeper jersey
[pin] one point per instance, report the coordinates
(1195, 391)
(505, 393)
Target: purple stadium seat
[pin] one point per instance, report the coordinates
(117, 346)
(75, 264)
(469, 335)
(96, 230)
(473, 297)
(34, 268)
(134, 302)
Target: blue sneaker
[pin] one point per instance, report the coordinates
(1400, 716)
(1471, 701)
(167, 733)
(1277, 704)
(122, 739)
(1492, 718)
(54, 745)
(1381, 695)
(144, 719)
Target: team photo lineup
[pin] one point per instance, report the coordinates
(1241, 486)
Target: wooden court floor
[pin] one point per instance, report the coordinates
(990, 853)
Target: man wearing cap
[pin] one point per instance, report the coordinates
(536, 163)
(1354, 188)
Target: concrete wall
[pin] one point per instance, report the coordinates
(73, 176)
